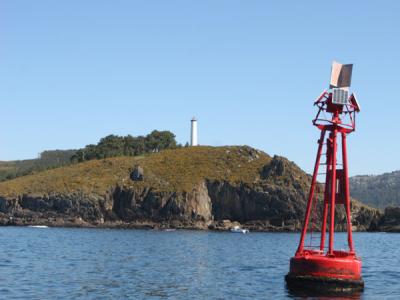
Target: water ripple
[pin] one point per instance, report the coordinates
(133, 264)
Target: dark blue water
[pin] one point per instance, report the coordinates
(119, 264)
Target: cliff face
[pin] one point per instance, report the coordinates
(162, 207)
(390, 221)
(275, 201)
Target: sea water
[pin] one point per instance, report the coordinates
(64, 263)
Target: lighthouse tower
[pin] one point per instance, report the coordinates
(193, 133)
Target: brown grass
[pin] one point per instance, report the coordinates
(169, 170)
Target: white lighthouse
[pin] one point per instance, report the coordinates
(193, 133)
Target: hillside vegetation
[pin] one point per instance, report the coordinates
(46, 160)
(109, 146)
(378, 191)
(169, 170)
(114, 145)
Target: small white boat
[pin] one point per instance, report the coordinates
(38, 226)
(237, 229)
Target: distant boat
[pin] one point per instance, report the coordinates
(164, 229)
(237, 229)
(38, 226)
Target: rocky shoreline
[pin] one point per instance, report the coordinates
(388, 221)
(218, 226)
(274, 201)
(216, 206)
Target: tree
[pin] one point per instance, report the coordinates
(160, 140)
(114, 145)
(110, 146)
(134, 145)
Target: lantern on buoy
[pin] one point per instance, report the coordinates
(316, 266)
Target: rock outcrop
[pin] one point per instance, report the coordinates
(137, 174)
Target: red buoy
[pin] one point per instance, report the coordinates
(317, 266)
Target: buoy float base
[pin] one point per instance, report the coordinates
(323, 285)
(314, 270)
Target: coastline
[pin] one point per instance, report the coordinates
(202, 188)
(216, 226)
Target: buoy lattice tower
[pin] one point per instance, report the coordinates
(193, 132)
(315, 265)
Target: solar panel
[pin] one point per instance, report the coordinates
(340, 96)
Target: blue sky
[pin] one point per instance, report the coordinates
(74, 71)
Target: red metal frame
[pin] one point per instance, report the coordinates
(335, 264)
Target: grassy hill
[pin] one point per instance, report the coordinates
(169, 170)
(378, 191)
(193, 187)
